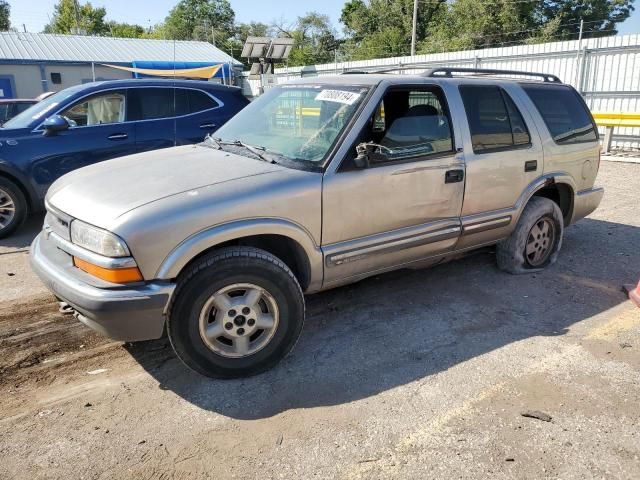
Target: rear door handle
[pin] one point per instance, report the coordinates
(453, 176)
(530, 165)
(208, 125)
(118, 136)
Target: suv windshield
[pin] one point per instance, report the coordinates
(298, 123)
(40, 110)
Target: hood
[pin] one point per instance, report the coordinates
(101, 193)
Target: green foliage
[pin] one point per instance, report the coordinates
(382, 28)
(5, 10)
(69, 17)
(315, 40)
(126, 30)
(207, 20)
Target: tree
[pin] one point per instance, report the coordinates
(71, 17)
(5, 10)
(208, 20)
(126, 30)
(469, 24)
(384, 27)
(314, 39)
(600, 16)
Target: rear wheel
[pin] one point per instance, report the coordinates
(13, 207)
(536, 240)
(236, 313)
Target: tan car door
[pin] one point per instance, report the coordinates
(404, 208)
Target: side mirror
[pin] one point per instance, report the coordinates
(368, 153)
(54, 124)
(362, 156)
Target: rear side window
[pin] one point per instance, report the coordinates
(150, 103)
(193, 101)
(198, 101)
(494, 120)
(564, 113)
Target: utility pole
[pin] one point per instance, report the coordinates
(579, 52)
(414, 27)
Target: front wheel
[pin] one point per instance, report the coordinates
(536, 240)
(237, 312)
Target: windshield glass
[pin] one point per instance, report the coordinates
(297, 123)
(40, 110)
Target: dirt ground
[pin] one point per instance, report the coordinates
(409, 375)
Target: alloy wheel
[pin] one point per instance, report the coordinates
(7, 209)
(540, 242)
(239, 320)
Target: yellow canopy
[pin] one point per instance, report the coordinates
(200, 72)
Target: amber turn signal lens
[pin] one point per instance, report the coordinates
(113, 275)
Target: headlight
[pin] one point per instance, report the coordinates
(98, 240)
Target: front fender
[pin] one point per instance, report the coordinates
(191, 247)
(11, 172)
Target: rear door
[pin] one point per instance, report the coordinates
(199, 113)
(152, 111)
(503, 155)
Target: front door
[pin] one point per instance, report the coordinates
(403, 207)
(97, 132)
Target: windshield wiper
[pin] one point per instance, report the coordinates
(257, 151)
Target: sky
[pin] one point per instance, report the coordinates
(34, 14)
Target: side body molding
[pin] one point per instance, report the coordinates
(215, 235)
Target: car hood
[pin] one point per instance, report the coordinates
(101, 193)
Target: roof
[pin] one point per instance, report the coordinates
(4, 101)
(152, 82)
(78, 48)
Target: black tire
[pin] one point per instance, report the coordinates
(11, 190)
(511, 252)
(221, 268)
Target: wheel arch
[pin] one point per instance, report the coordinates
(22, 184)
(558, 187)
(286, 240)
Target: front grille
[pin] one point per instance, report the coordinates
(58, 225)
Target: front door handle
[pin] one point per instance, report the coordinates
(118, 136)
(453, 176)
(530, 165)
(208, 125)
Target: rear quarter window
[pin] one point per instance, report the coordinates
(564, 113)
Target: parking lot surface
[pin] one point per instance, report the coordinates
(414, 374)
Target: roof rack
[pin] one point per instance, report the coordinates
(448, 71)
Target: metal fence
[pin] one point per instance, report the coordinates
(606, 71)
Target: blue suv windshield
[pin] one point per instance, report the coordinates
(40, 110)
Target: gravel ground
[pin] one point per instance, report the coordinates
(413, 374)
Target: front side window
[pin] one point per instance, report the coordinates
(416, 123)
(564, 113)
(494, 120)
(300, 123)
(100, 109)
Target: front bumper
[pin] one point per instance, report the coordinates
(127, 313)
(585, 202)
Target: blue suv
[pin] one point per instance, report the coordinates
(97, 121)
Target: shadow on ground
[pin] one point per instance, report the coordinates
(23, 237)
(397, 328)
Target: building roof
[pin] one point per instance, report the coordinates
(77, 48)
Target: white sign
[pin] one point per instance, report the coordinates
(1, 92)
(340, 96)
